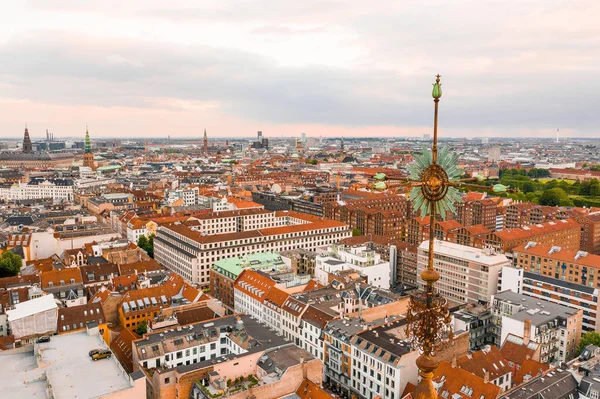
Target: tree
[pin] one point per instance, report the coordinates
(147, 244)
(356, 232)
(554, 197)
(10, 264)
(588, 338)
(584, 187)
(142, 328)
(142, 242)
(595, 188)
(528, 187)
(150, 248)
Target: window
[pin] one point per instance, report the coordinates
(167, 380)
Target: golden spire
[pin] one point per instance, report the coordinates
(428, 316)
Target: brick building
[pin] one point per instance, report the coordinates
(565, 233)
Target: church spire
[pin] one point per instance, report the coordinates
(27, 147)
(87, 146)
(205, 147)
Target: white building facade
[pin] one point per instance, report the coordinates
(467, 274)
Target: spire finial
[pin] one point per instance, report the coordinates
(437, 88)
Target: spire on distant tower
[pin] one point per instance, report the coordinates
(205, 142)
(342, 145)
(87, 146)
(27, 147)
(88, 156)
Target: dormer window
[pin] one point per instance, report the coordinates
(62, 282)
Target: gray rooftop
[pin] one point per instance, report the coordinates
(537, 310)
(67, 367)
(558, 384)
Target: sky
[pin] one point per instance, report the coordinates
(152, 68)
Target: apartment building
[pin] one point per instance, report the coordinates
(527, 213)
(590, 233)
(361, 258)
(472, 236)
(471, 212)
(225, 271)
(195, 343)
(378, 215)
(383, 360)
(556, 328)
(236, 221)
(562, 276)
(467, 275)
(57, 189)
(258, 296)
(566, 233)
(143, 305)
(192, 253)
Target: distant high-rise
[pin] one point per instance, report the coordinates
(88, 156)
(494, 154)
(27, 147)
(427, 136)
(259, 134)
(304, 137)
(205, 143)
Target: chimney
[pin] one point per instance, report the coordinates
(486, 376)
(454, 361)
(526, 331)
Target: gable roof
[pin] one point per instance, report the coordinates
(529, 369)
(514, 349)
(122, 348)
(77, 317)
(484, 360)
(457, 383)
(55, 277)
(310, 390)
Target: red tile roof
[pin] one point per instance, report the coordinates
(310, 390)
(456, 381)
(529, 369)
(481, 361)
(55, 277)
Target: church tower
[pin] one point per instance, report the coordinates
(88, 156)
(27, 148)
(205, 143)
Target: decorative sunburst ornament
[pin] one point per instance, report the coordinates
(434, 188)
(428, 326)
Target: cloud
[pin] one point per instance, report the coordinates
(506, 67)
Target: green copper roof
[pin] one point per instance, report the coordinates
(109, 167)
(379, 176)
(499, 188)
(232, 267)
(379, 186)
(87, 147)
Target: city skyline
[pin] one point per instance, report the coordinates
(145, 69)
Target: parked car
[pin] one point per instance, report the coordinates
(94, 351)
(103, 354)
(43, 338)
